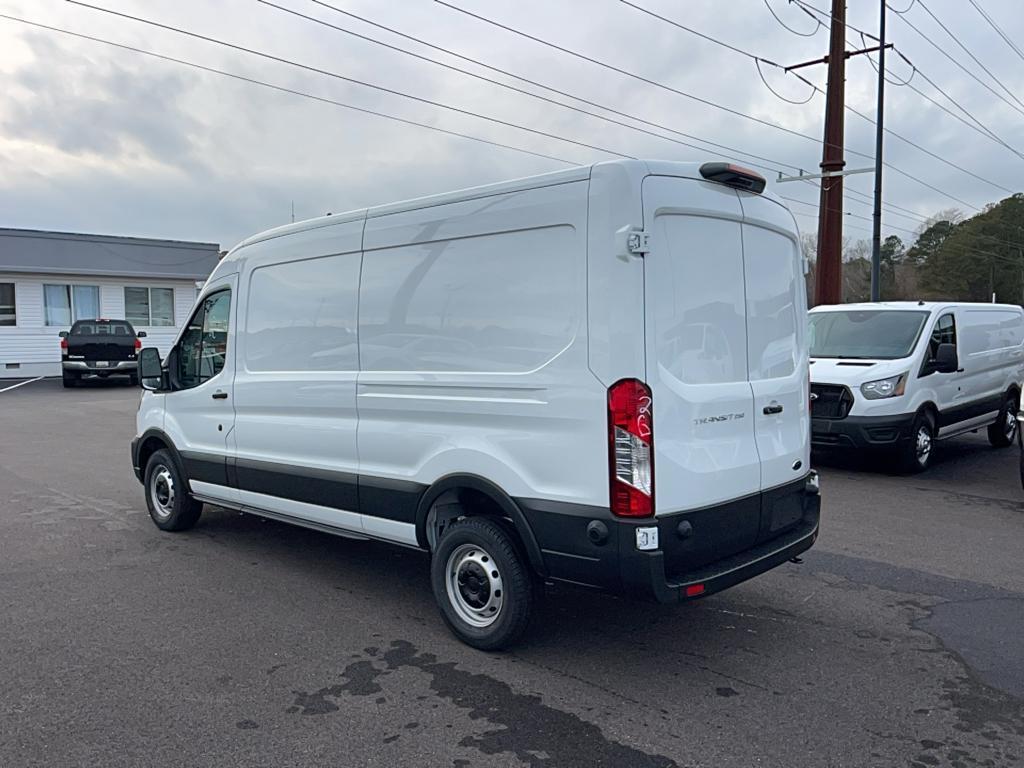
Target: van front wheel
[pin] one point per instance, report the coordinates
(170, 505)
(1003, 431)
(481, 584)
(917, 451)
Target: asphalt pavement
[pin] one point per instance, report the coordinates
(899, 641)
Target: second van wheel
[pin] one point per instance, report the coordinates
(917, 451)
(1003, 431)
(481, 584)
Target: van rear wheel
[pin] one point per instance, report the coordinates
(482, 584)
(1003, 431)
(170, 505)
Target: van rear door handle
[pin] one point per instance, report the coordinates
(219, 395)
(771, 410)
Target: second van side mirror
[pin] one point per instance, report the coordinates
(150, 369)
(945, 359)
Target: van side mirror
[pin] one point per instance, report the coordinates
(63, 334)
(140, 335)
(945, 359)
(150, 369)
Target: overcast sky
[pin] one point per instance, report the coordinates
(97, 139)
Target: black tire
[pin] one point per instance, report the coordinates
(487, 573)
(70, 380)
(133, 380)
(917, 451)
(1003, 431)
(170, 506)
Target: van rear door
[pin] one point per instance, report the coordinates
(696, 341)
(777, 361)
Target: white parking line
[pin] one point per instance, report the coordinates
(20, 384)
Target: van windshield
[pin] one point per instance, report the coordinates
(875, 334)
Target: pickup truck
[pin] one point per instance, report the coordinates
(100, 348)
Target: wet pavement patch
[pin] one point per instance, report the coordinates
(539, 735)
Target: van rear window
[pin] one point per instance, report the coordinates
(870, 334)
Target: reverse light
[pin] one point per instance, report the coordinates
(631, 449)
(892, 386)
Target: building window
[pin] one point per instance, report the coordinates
(149, 306)
(65, 304)
(8, 314)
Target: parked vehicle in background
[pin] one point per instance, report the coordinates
(902, 375)
(596, 376)
(100, 348)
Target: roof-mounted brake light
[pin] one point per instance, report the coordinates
(733, 176)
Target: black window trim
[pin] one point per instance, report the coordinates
(14, 303)
(176, 350)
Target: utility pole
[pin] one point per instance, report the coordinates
(828, 276)
(876, 224)
(828, 279)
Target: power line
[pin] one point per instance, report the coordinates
(997, 28)
(671, 89)
(507, 86)
(549, 88)
(627, 73)
(945, 53)
(283, 89)
(966, 50)
(338, 76)
(817, 23)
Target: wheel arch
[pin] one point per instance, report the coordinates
(458, 490)
(153, 440)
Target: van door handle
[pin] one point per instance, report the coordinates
(219, 395)
(771, 410)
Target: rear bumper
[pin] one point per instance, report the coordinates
(861, 431)
(589, 546)
(90, 368)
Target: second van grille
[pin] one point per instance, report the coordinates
(832, 401)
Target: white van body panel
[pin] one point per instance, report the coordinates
(472, 329)
(990, 349)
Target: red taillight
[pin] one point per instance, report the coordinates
(694, 589)
(631, 449)
(138, 344)
(63, 346)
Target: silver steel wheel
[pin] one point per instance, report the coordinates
(474, 586)
(924, 444)
(161, 491)
(1010, 423)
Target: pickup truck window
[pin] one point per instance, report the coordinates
(90, 328)
(204, 344)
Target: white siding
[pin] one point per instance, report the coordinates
(35, 346)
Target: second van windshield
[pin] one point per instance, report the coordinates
(865, 334)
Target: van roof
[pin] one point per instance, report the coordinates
(635, 168)
(907, 306)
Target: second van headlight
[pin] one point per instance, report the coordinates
(890, 387)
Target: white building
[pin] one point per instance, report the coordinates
(50, 279)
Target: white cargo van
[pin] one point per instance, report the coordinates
(901, 375)
(596, 376)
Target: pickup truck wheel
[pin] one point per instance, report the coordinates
(70, 380)
(1003, 431)
(481, 584)
(133, 380)
(170, 505)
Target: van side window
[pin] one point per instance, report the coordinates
(204, 344)
(944, 333)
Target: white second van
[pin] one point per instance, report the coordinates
(596, 376)
(901, 375)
